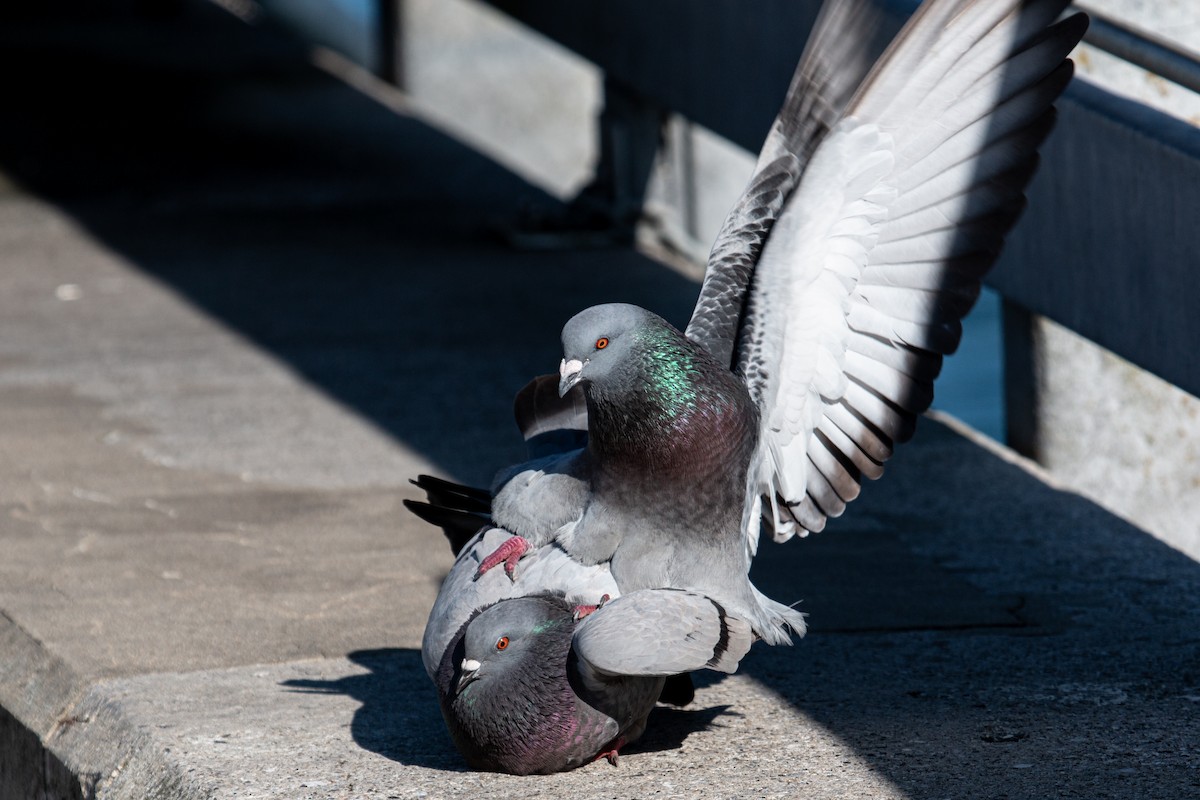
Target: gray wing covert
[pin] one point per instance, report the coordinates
(537, 500)
(662, 632)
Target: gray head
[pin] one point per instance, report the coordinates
(659, 405)
(599, 339)
(505, 636)
(504, 688)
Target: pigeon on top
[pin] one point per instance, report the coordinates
(831, 295)
(560, 669)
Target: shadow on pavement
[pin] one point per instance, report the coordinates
(1010, 640)
(345, 239)
(413, 732)
(669, 727)
(972, 626)
(402, 730)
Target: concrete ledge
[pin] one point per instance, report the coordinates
(36, 692)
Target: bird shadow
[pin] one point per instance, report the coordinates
(398, 714)
(668, 726)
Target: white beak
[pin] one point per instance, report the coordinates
(470, 670)
(568, 375)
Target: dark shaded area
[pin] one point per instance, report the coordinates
(347, 240)
(1090, 689)
(28, 769)
(730, 47)
(390, 722)
(975, 632)
(669, 727)
(410, 730)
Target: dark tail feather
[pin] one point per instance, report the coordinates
(460, 511)
(454, 495)
(459, 526)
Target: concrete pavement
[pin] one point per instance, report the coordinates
(242, 303)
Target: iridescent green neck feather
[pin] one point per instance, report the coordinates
(669, 406)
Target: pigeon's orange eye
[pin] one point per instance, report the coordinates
(502, 643)
(602, 343)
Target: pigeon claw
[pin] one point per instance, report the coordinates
(584, 610)
(610, 753)
(508, 554)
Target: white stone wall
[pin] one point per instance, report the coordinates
(1119, 435)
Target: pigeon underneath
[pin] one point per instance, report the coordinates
(514, 701)
(568, 673)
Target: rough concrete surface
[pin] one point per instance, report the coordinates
(242, 303)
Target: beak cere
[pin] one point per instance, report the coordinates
(568, 375)
(470, 671)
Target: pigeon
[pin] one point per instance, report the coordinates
(561, 669)
(831, 296)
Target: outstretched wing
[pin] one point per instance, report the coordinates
(879, 251)
(845, 41)
(662, 632)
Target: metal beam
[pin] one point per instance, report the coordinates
(1110, 243)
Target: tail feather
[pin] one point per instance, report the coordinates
(454, 495)
(539, 409)
(549, 423)
(460, 511)
(782, 621)
(458, 526)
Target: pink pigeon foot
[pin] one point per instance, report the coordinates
(583, 611)
(509, 553)
(610, 752)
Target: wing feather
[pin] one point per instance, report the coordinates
(886, 416)
(835, 440)
(936, 336)
(854, 425)
(662, 632)
(842, 475)
(871, 264)
(900, 357)
(843, 45)
(890, 382)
